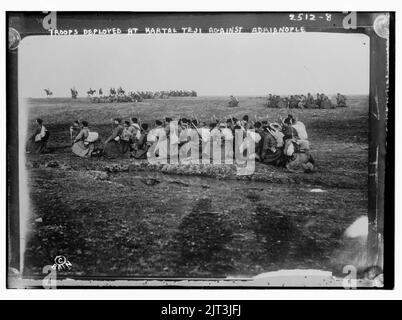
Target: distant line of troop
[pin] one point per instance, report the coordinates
(120, 95)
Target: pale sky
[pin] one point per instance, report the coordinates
(211, 64)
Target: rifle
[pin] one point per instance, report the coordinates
(196, 130)
(196, 118)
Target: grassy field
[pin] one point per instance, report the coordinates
(127, 219)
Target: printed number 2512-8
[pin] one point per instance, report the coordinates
(309, 17)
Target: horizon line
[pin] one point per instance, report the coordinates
(214, 95)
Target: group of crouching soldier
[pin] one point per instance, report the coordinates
(283, 143)
(321, 101)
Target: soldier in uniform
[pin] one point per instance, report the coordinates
(233, 102)
(340, 100)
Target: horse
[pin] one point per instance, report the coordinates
(91, 92)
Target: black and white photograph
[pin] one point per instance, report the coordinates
(199, 149)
